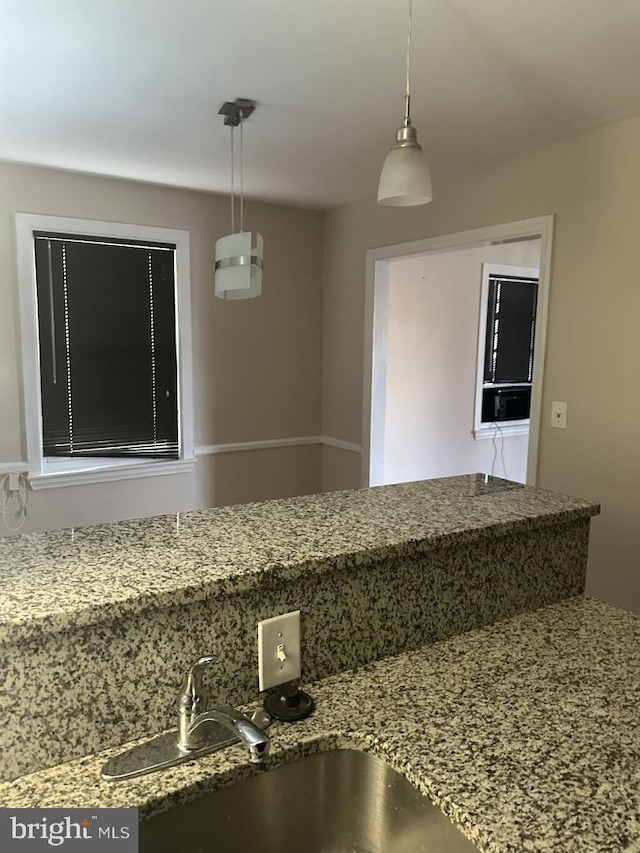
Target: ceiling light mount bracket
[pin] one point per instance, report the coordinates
(236, 111)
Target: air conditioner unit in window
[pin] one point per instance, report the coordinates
(506, 403)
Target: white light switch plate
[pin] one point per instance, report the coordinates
(279, 638)
(559, 414)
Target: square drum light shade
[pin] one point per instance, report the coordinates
(239, 265)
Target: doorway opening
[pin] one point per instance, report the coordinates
(454, 354)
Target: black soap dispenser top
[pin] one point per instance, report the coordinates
(288, 703)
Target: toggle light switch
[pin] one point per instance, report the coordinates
(559, 415)
(279, 650)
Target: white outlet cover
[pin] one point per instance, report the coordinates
(279, 631)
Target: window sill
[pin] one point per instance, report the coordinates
(81, 472)
(510, 428)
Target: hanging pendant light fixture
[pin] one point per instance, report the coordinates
(405, 178)
(238, 267)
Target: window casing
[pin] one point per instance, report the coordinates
(106, 345)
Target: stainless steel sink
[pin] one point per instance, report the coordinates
(341, 801)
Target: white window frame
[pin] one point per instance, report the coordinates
(47, 472)
(505, 428)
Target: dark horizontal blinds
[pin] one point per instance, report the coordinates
(106, 313)
(511, 322)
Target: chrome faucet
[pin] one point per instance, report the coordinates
(193, 738)
(191, 735)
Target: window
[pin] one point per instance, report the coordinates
(107, 389)
(506, 349)
(510, 329)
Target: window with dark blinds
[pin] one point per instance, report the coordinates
(511, 325)
(107, 331)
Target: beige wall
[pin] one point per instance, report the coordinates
(591, 183)
(257, 363)
(431, 359)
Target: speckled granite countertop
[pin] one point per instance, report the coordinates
(526, 733)
(138, 564)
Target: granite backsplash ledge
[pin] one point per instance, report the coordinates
(99, 684)
(63, 578)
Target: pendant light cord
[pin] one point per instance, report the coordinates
(233, 210)
(241, 172)
(407, 100)
(237, 118)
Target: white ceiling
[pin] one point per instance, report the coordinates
(132, 87)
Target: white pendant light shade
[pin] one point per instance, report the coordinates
(239, 265)
(405, 179)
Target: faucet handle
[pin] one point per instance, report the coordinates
(191, 695)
